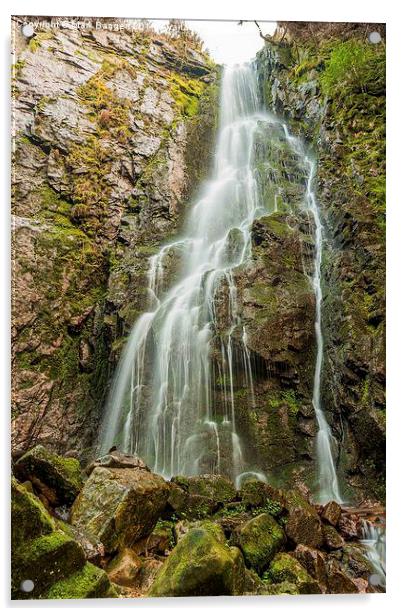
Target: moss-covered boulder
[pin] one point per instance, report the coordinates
(259, 540)
(283, 588)
(201, 564)
(90, 582)
(286, 568)
(199, 496)
(58, 479)
(43, 553)
(255, 493)
(119, 506)
(332, 539)
(303, 523)
(331, 513)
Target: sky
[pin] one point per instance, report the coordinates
(227, 42)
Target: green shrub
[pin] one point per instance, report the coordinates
(354, 66)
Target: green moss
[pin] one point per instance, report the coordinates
(89, 582)
(61, 475)
(186, 94)
(29, 518)
(285, 568)
(259, 540)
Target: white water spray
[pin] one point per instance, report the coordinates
(374, 542)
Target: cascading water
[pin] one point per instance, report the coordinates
(373, 539)
(163, 404)
(167, 364)
(328, 478)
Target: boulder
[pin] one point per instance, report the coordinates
(283, 588)
(124, 568)
(119, 506)
(339, 582)
(313, 561)
(303, 523)
(332, 539)
(201, 564)
(88, 583)
(331, 513)
(45, 554)
(160, 541)
(255, 493)
(199, 496)
(58, 479)
(286, 568)
(259, 540)
(116, 459)
(353, 560)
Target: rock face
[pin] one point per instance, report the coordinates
(201, 564)
(58, 479)
(120, 505)
(108, 126)
(297, 82)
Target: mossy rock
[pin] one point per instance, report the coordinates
(259, 540)
(201, 565)
(29, 518)
(58, 479)
(283, 588)
(88, 583)
(46, 560)
(332, 539)
(285, 568)
(303, 523)
(124, 568)
(119, 506)
(199, 496)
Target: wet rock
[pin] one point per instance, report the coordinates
(160, 541)
(255, 493)
(116, 459)
(313, 561)
(303, 523)
(338, 581)
(120, 505)
(353, 560)
(45, 554)
(259, 540)
(331, 513)
(197, 497)
(332, 539)
(282, 588)
(286, 568)
(124, 568)
(94, 550)
(201, 564)
(58, 479)
(88, 583)
(349, 526)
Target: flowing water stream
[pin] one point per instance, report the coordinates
(163, 404)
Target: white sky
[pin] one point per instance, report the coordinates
(227, 42)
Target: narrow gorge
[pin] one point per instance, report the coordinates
(198, 303)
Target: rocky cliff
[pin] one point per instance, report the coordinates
(328, 82)
(112, 132)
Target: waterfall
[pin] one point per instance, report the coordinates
(373, 539)
(325, 441)
(164, 404)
